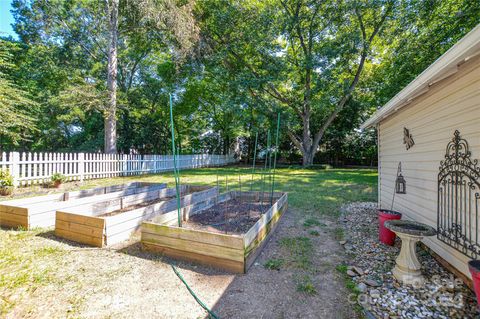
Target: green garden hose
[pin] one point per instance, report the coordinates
(179, 275)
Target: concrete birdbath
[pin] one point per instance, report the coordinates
(407, 268)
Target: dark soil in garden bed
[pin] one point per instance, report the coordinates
(234, 217)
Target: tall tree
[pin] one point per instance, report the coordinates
(306, 56)
(17, 119)
(110, 116)
(107, 43)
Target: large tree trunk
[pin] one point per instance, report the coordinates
(110, 114)
(306, 145)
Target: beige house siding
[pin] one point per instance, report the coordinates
(451, 104)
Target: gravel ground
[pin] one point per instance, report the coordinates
(371, 262)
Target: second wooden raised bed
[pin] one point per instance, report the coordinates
(109, 222)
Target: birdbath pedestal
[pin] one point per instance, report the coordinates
(407, 268)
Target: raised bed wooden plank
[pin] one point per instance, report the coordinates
(44, 207)
(128, 188)
(228, 265)
(81, 219)
(204, 246)
(79, 238)
(42, 214)
(256, 247)
(220, 252)
(79, 228)
(199, 196)
(120, 226)
(251, 235)
(15, 210)
(109, 205)
(167, 218)
(13, 220)
(235, 242)
(127, 222)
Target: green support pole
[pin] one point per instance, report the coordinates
(275, 158)
(175, 171)
(265, 167)
(254, 159)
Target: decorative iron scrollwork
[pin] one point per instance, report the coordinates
(459, 198)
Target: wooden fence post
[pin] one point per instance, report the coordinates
(15, 167)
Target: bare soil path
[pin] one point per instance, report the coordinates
(74, 281)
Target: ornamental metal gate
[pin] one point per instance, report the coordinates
(459, 198)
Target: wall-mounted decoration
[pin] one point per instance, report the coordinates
(400, 183)
(407, 138)
(459, 198)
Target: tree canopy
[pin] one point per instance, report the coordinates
(230, 65)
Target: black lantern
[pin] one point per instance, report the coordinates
(400, 184)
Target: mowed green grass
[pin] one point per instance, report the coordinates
(313, 191)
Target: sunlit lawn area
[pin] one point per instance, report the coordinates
(310, 190)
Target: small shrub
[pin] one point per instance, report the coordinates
(314, 233)
(6, 179)
(6, 182)
(274, 264)
(57, 179)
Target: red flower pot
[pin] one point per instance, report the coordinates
(474, 267)
(385, 235)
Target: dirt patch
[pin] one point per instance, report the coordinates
(126, 282)
(231, 217)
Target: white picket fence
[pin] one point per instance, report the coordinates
(32, 168)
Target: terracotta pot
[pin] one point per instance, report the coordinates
(6, 190)
(474, 267)
(385, 235)
(57, 184)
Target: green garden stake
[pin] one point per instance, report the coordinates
(240, 186)
(275, 158)
(265, 166)
(175, 171)
(254, 159)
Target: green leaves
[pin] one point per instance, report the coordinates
(16, 121)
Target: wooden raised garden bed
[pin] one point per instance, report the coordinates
(229, 234)
(106, 223)
(40, 211)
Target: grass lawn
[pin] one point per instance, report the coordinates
(27, 264)
(314, 191)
